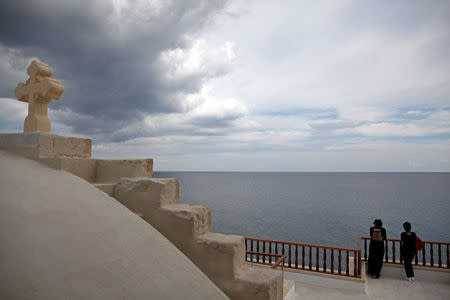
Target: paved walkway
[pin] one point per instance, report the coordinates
(429, 285)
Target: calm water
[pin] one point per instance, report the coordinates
(321, 208)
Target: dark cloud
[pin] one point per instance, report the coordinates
(107, 59)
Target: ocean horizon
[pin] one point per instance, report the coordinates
(325, 208)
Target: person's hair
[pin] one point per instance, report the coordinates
(407, 226)
(378, 223)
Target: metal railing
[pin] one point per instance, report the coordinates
(308, 257)
(425, 257)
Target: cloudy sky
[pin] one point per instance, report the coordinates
(241, 85)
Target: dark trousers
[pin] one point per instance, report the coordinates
(376, 254)
(407, 260)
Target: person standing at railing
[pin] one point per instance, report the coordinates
(376, 248)
(408, 250)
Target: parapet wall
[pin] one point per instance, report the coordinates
(35, 145)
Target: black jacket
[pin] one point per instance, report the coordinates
(408, 242)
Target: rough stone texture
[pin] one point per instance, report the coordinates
(225, 252)
(61, 238)
(82, 167)
(112, 170)
(37, 145)
(38, 91)
(221, 257)
(101, 170)
(145, 195)
(260, 283)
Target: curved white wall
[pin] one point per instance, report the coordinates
(62, 238)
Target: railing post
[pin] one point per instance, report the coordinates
(339, 266)
(365, 249)
(317, 259)
(303, 256)
(246, 249)
(431, 255)
(423, 255)
(289, 252)
(257, 250)
(359, 264)
(296, 256)
(347, 267)
(270, 251)
(264, 251)
(355, 265)
(393, 252)
(448, 258)
(332, 261)
(310, 258)
(439, 255)
(324, 260)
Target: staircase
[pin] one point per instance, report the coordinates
(188, 226)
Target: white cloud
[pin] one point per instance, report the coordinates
(204, 114)
(200, 60)
(13, 110)
(433, 124)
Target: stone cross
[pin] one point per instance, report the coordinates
(38, 91)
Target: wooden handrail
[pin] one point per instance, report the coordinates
(399, 240)
(427, 256)
(277, 263)
(302, 245)
(320, 260)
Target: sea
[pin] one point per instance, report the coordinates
(332, 209)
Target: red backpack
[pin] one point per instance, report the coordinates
(419, 243)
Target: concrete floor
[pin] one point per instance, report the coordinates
(392, 285)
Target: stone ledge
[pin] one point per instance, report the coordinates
(109, 170)
(36, 145)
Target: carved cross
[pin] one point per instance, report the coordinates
(38, 91)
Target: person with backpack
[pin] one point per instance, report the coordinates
(376, 248)
(408, 249)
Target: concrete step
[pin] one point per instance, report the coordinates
(109, 170)
(101, 170)
(82, 167)
(193, 219)
(257, 282)
(181, 224)
(145, 195)
(108, 188)
(219, 255)
(188, 226)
